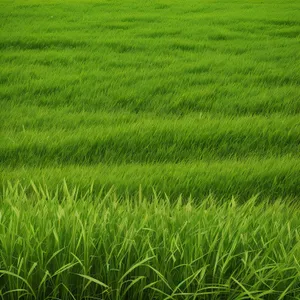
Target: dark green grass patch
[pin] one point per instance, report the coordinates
(267, 177)
(41, 139)
(144, 87)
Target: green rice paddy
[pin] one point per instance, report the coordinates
(149, 149)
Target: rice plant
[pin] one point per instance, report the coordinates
(104, 246)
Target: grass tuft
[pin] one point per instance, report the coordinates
(114, 247)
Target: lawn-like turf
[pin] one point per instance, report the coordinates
(197, 98)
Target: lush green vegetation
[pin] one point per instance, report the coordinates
(194, 99)
(78, 246)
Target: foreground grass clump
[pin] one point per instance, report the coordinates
(101, 246)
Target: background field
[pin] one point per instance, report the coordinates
(188, 97)
(191, 98)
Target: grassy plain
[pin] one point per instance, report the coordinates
(191, 98)
(146, 89)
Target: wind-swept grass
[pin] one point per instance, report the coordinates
(150, 139)
(205, 93)
(188, 97)
(242, 178)
(169, 57)
(101, 246)
(196, 99)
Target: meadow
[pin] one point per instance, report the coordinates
(149, 149)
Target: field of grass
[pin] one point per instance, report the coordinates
(190, 99)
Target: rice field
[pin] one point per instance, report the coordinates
(149, 150)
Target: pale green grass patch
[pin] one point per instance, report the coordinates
(78, 246)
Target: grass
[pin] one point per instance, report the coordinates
(101, 246)
(143, 87)
(193, 99)
(271, 178)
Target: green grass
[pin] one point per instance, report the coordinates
(100, 246)
(192, 99)
(202, 92)
(270, 178)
